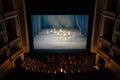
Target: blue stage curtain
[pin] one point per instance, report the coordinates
(65, 21)
(82, 23)
(39, 23)
(36, 24)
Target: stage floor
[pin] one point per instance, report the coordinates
(48, 39)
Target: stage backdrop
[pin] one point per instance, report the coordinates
(59, 21)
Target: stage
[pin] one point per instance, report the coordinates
(60, 39)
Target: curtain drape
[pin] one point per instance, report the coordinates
(50, 21)
(82, 23)
(36, 24)
(65, 21)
